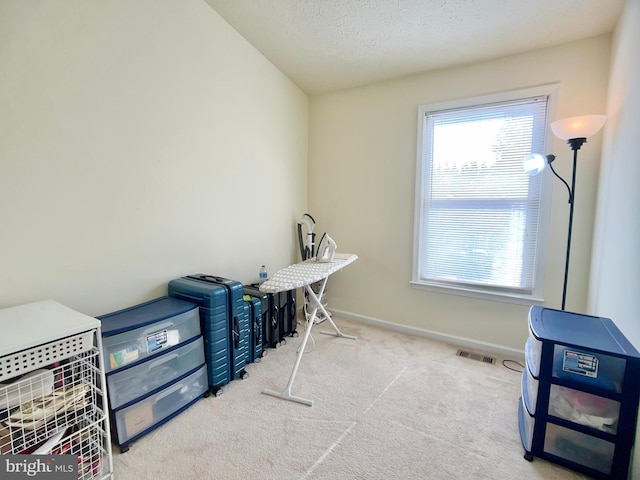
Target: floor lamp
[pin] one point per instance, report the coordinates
(575, 131)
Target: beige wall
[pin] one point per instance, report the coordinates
(140, 141)
(615, 275)
(615, 281)
(361, 189)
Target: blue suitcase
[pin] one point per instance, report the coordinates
(254, 310)
(271, 337)
(238, 322)
(214, 321)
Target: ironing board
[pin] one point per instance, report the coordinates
(304, 274)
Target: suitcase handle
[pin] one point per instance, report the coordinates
(256, 331)
(236, 332)
(210, 278)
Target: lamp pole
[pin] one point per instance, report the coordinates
(575, 144)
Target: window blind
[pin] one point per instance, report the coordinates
(481, 210)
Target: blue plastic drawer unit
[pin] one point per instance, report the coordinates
(580, 393)
(155, 365)
(137, 333)
(586, 349)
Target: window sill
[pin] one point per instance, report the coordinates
(520, 299)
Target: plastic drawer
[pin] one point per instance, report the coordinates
(584, 408)
(533, 354)
(141, 343)
(579, 448)
(151, 411)
(135, 382)
(589, 368)
(529, 391)
(525, 422)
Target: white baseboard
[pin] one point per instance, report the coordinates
(442, 337)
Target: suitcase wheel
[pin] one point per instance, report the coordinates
(294, 334)
(217, 391)
(244, 375)
(124, 448)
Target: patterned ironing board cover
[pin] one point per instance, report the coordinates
(306, 273)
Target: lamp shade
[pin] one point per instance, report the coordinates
(534, 163)
(578, 127)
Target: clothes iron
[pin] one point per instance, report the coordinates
(326, 249)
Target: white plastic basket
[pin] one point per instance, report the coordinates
(43, 410)
(25, 361)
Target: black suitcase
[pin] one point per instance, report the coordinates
(287, 313)
(214, 322)
(239, 322)
(254, 308)
(271, 337)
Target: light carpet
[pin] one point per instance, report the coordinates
(387, 406)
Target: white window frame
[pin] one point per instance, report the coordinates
(422, 181)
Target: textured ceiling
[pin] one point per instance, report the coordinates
(326, 45)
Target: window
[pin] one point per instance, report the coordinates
(480, 219)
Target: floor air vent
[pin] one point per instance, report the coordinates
(476, 356)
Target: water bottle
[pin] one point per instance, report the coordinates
(263, 274)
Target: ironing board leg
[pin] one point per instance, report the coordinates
(316, 299)
(286, 393)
